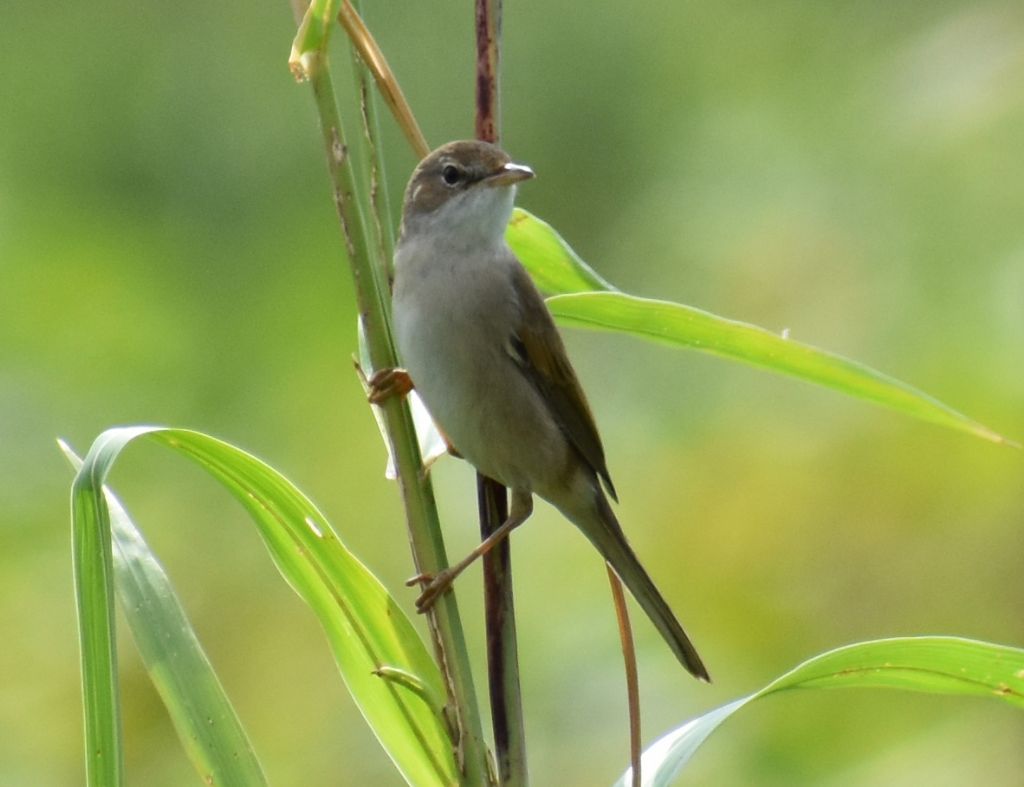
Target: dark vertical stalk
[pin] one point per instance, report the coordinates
(502, 646)
(488, 43)
(499, 605)
(503, 663)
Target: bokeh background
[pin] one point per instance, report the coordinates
(852, 172)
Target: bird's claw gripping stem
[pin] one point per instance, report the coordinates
(386, 383)
(434, 586)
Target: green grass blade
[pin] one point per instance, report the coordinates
(581, 298)
(370, 636)
(685, 326)
(204, 719)
(94, 597)
(552, 263)
(935, 665)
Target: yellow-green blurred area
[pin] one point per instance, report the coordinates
(852, 172)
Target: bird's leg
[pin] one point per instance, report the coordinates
(434, 585)
(386, 383)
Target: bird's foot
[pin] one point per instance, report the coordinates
(434, 586)
(386, 383)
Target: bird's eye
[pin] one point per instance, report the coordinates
(451, 174)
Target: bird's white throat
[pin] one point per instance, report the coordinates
(475, 218)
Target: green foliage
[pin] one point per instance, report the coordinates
(933, 665)
(387, 669)
(207, 725)
(389, 673)
(581, 298)
(847, 171)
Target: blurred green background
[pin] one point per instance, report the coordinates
(851, 171)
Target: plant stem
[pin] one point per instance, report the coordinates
(632, 679)
(379, 204)
(372, 56)
(488, 51)
(499, 602)
(421, 512)
(502, 644)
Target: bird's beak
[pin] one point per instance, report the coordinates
(509, 174)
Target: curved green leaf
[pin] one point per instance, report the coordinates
(685, 326)
(554, 266)
(936, 665)
(371, 637)
(580, 297)
(203, 717)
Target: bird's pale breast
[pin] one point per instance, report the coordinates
(454, 315)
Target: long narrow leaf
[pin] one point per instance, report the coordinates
(685, 326)
(372, 639)
(204, 719)
(935, 665)
(581, 298)
(94, 597)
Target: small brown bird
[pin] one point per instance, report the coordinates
(482, 349)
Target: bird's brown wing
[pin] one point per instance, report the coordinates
(537, 349)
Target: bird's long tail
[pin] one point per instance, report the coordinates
(606, 534)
